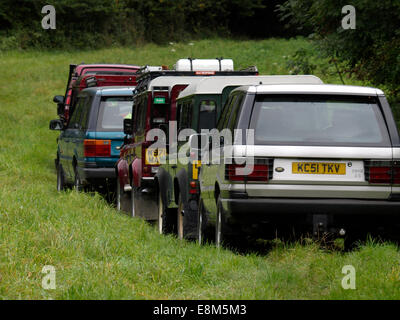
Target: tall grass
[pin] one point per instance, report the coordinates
(101, 254)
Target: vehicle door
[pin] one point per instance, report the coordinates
(135, 153)
(79, 134)
(208, 173)
(184, 116)
(71, 136)
(171, 145)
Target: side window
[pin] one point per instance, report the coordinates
(185, 115)
(181, 116)
(75, 119)
(228, 112)
(143, 114)
(178, 114)
(189, 108)
(140, 112)
(224, 113)
(235, 112)
(74, 100)
(85, 113)
(396, 114)
(136, 114)
(207, 115)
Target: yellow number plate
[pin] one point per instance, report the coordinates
(154, 156)
(195, 169)
(318, 168)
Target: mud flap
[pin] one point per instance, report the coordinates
(190, 220)
(147, 205)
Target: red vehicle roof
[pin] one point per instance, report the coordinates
(101, 80)
(85, 68)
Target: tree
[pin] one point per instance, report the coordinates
(371, 51)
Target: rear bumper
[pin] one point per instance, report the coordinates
(97, 173)
(267, 217)
(294, 206)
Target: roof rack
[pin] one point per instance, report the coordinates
(250, 69)
(143, 81)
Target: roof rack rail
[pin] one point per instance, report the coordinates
(147, 68)
(250, 69)
(185, 67)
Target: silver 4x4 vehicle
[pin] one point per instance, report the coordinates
(198, 109)
(318, 158)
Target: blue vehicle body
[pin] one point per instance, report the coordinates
(92, 121)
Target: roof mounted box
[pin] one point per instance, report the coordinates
(204, 65)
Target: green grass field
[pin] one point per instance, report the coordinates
(101, 254)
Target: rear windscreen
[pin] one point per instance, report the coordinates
(318, 120)
(159, 114)
(113, 111)
(207, 114)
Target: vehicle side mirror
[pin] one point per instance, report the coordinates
(56, 125)
(128, 126)
(58, 99)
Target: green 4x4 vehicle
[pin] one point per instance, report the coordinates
(199, 107)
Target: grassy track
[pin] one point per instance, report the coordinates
(100, 254)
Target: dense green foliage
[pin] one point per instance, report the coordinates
(101, 254)
(97, 23)
(371, 51)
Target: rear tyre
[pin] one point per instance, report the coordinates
(77, 182)
(133, 203)
(162, 216)
(118, 195)
(218, 226)
(202, 235)
(222, 236)
(60, 179)
(179, 221)
(166, 217)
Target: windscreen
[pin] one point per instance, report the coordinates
(113, 111)
(318, 120)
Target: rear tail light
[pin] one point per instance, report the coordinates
(193, 187)
(97, 148)
(149, 170)
(382, 172)
(396, 172)
(262, 171)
